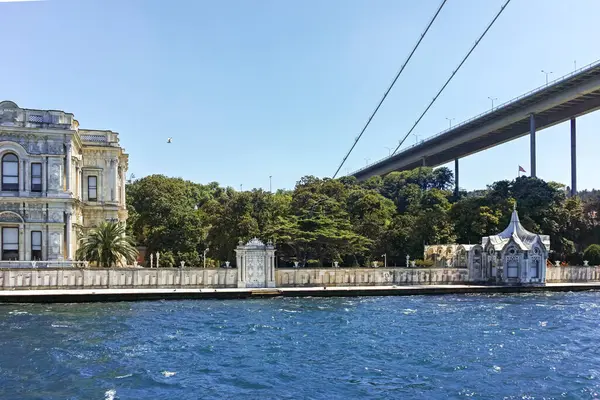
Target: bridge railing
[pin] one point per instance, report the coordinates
(491, 111)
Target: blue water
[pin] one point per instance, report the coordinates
(536, 346)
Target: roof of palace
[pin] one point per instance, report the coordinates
(521, 236)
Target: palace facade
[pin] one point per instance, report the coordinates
(57, 181)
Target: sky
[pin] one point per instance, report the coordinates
(253, 89)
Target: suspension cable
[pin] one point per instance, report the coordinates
(452, 76)
(390, 87)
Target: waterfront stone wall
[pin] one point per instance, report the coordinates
(572, 274)
(75, 278)
(65, 278)
(72, 278)
(369, 276)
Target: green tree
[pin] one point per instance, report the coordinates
(165, 215)
(107, 245)
(592, 254)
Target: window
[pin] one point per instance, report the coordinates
(36, 177)
(10, 173)
(512, 270)
(92, 188)
(10, 244)
(535, 269)
(36, 245)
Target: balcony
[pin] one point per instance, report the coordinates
(99, 138)
(13, 116)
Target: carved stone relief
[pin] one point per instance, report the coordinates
(56, 216)
(54, 177)
(54, 243)
(255, 267)
(34, 213)
(9, 217)
(16, 207)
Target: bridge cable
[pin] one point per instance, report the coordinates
(390, 87)
(452, 76)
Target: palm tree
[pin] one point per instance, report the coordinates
(107, 245)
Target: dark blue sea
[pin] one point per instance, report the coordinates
(534, 346)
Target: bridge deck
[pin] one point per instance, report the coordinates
(571, 96)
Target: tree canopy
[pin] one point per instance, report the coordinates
(325, 220)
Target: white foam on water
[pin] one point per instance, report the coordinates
(543, 323)
(123, 376)
(110, 394)
(497, 368)
(18, 312)
(168, 374)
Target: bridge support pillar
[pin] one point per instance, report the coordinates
(532, 144)
(456, 177)
(573, 157)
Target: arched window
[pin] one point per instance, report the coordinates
(10, 173)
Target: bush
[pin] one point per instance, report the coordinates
(424, 263)
(592, 254)
(166, 260)
(313, 264)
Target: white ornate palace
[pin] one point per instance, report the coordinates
(514, 256)
(56, 181)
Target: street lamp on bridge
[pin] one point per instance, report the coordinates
(389, 151)
(547, 73)
(450, 121)
(492, 99)
(367, 161)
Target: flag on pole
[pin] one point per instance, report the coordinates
(521, 169)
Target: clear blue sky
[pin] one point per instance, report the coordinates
(249, 89)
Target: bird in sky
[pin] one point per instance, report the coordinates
(169, 140)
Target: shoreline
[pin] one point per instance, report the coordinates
(116, 295)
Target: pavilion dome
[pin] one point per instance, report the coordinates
(516, 232)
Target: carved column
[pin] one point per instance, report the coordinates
(22, 244)
(68, 167)
(45, 176)
(26, 183)
(68, 235)
(77, 185)
(21, 175)
(114, 179)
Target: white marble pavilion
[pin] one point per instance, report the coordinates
(513, 256)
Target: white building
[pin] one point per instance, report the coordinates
(514, 256)
(56, 181)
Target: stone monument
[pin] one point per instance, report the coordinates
(255, 264)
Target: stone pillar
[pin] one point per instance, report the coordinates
(21, 239)
(44, 176)
(573, 157)
(270, 268)
(77, 185)
(456, 177)
(68, 255)
(238, 257)
(21, 169)
(114, 179)
(532, 144)
(68, 167)
(543, 268)
(26, 177)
